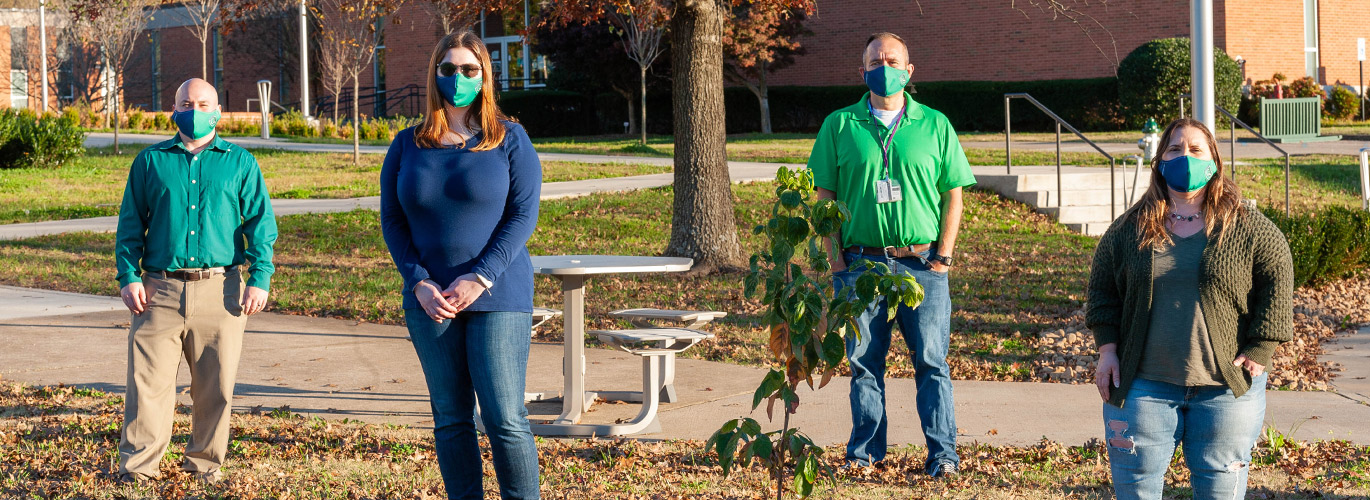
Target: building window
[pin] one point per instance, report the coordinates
(19, 75)
(218, 51)
(1310, 38)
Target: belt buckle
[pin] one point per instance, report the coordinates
(886, 251)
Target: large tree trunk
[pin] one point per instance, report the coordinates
(356, 124)
(702, 223)
(115, 99)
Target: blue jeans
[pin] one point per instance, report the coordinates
(927, 332)
(478, 356)
(1216, 429)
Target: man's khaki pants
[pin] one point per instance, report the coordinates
(203, 322)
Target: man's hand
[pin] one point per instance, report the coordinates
(1251, 367)
(1106, 376)
(463, 291)
(135, 297)
(938, 267)
(434, 304)
(254, 300)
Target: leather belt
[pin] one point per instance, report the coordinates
(191, 274)
(896, 252)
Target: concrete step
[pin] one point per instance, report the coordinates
(1076, 197)
(1035, 181)
(1081, 215)
(1089, 228)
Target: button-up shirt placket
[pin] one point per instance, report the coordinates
(194, 219)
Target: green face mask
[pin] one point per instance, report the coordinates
(458, 89)
(195, 123)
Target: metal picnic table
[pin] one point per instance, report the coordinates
(574, 271)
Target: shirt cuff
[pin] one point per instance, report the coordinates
(260, 280)
(129, 277)
(485, 282)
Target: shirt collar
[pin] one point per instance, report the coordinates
(912, 110)
(218, 144)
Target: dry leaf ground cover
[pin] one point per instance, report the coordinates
(61, 442)
(1020, 278)
(93, 185)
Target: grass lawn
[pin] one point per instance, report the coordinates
(1018, 273)
(93, 185)
(61, 442)
(1314, 181)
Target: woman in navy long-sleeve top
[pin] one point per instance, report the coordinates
(459, 200)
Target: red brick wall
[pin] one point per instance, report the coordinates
(1341, 22)
(982, 39)
(1269, 35)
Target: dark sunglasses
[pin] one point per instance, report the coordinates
(448, 69)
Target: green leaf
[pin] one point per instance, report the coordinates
(750, 427)
(834, 349)
(773, 381)
(749, 285)
(762, 449)
(790, 199)
(728, 449)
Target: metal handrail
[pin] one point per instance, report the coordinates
(1365, 178)
(1234, 121)
(1008, 150)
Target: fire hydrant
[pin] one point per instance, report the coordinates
(1149, 142)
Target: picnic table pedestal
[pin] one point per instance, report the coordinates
(574, 271)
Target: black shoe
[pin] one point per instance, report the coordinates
(943, 469)
(134, 478)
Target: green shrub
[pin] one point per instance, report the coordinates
(546, 113)
(162, 121)
(1328, 245)
(1343, 103)
(28, 140)
(135, 120)
(1304, 87)
(1154, 75)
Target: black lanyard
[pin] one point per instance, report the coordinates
(889, 139)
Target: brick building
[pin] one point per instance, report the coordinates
(949, 41)
(989, 40)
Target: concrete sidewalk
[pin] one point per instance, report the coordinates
(334, 369)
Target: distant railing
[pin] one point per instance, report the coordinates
(1008, 150)
(1232, 159)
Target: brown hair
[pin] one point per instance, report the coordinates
(1222, 199)
(483, 112)
(880, 35)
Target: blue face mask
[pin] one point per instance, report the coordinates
(459, 89)
(1187, 174)
(886, 81)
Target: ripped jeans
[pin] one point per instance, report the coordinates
(1216, 430)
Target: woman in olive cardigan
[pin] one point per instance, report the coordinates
(1189, 295)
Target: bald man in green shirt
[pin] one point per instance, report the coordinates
(195, 209)
(897, 165)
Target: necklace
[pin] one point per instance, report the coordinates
(1187, 218)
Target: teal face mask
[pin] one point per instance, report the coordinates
(458, 89)
(1187, 174)
(885, 81)
(195, 123)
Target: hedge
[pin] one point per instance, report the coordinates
(1152, 77)
(28, 140)
(546, 113)
(1327, 245)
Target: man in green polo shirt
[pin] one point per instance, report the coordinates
(194, 210)
(899, 168)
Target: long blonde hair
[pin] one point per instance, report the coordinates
(484, 113)
(1222, 199)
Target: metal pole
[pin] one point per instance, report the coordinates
(1201, 61)
(527, 64)
(1286, 185)
(1059, 203)
(304, 59)
(1181, 106)
(1008, 140)
(1233, 157)
(43, 49)
(1365, 178)
(1112, 190)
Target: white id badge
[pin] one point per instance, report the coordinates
(888, 191)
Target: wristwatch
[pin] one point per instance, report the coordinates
(946, 261)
